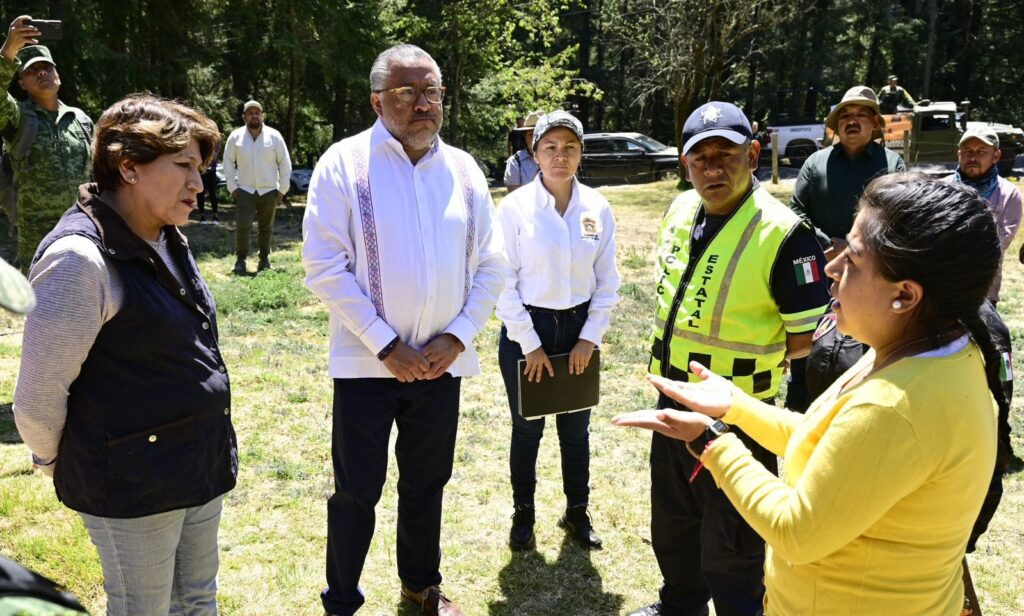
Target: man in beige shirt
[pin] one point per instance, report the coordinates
(257, 169)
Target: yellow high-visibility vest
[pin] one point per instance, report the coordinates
(724, 314)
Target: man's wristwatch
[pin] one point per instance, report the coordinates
(696, 446)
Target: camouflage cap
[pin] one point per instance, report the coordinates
(15, 293)
(33, 54)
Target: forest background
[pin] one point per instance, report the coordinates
(636, 65)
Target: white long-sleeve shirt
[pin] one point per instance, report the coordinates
(397, 265)
(257, 165)
(557, 262)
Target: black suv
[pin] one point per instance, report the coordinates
(616, 158)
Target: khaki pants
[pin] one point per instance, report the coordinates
(262, 207)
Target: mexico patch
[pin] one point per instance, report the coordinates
(806, 270)
(1005, 367)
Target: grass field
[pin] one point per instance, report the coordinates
(274, 336)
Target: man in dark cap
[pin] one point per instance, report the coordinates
(893, 96)
(741, 287)
(48, 142)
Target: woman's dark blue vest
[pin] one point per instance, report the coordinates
(149, 417)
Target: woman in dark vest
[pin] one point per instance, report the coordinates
(123, 394)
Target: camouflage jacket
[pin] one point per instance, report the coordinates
(58, 161)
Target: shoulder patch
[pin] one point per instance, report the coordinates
(825, 325)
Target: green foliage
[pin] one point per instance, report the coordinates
(619, 64)
(270, 290)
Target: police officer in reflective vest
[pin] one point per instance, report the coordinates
(741, 287)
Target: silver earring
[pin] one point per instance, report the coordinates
(897, 304)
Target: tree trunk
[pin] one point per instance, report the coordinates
(933, 11)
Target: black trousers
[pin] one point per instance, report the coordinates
(558, 332)
(427, 415)
(704, 548)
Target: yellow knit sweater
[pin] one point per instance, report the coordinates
(881, 487)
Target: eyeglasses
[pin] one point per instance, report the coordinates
(407, 95)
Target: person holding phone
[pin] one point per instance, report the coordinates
(48, 142)
(558, 298)
(885, 474)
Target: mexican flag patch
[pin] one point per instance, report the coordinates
(806, 270)
(1005, 367)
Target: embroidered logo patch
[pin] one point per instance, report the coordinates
(806, 270)
(710, 115)
(590, 229)
(827, 324)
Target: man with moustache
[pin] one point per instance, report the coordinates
(741, 287)
(398, 242)
(258, 170)
(977, 155)
(830, 184)
(49, 143)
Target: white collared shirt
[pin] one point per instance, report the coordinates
(419, 221)
(557, 262)
(257, 165)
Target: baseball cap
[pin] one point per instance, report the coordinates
(556, 119)
(984, 133)
(531, 121)
(250, 104)
(33, 54)
(15, 293)
(857, 95)
(891, 77)
(716, 119)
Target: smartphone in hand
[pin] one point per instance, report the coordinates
(49, 29)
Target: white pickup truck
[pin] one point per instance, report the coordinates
(797, 142)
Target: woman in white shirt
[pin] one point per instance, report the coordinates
(558, 298)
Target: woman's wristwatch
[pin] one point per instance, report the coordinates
(697, 446)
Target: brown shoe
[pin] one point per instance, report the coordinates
(432, 601)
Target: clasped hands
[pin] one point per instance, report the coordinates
(408, 364)
(710, 397)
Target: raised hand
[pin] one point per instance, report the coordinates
(712, 395)
(18, 36)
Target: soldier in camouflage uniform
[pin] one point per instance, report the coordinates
(57, 158)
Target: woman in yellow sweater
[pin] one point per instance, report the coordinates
(885, 474)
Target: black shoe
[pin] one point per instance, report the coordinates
(239, 268)
(576, 523)
(653, 609)
(264, 264)
(521, 536)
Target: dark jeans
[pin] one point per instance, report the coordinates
(704, 548)
(427, 414)
(558, 333)
(209, 185)
(263, 208)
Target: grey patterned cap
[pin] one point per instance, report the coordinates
(557, 119)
